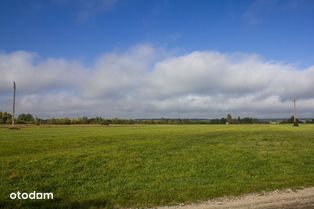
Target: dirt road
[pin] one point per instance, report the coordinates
(283, 199)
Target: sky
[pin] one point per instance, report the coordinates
(157, 58)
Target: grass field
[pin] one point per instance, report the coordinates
(141, 166)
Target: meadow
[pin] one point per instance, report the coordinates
(151, 165)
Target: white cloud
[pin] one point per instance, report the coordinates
(119, 74)
(35, 75)
(147, 82)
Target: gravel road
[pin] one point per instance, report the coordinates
(280, 199)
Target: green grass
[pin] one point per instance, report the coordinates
(144, 166)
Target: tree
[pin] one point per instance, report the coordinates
(291, 120)
(1, 120)
(229, 118)
(6, 117)
(26, 118)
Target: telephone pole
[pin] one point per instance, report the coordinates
(13, 108)
(295, 113)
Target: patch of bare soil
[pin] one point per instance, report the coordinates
(279, 199)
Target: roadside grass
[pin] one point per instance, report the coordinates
(151, 165)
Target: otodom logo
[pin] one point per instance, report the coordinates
(32, 195)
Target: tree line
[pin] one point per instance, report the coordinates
(5, 118)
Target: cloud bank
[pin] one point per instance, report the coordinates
(144, 82)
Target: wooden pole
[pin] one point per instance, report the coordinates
(13, 108)
(295, 113)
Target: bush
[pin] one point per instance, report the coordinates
(105, 122)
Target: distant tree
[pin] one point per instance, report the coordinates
(297, 121)
(105, 122)
(1, 120)
(248, 120)
(223, 121)
(26, 118)
(291, 120)
(229, 118)
(6, 117)
(66, 121)
(310, 121)
(236, 120)
(85, 120)
(37, 121)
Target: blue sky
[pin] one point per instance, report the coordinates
(274, 29)
(158, 58)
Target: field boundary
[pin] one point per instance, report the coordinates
(287, 198)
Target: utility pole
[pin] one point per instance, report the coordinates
(295, 113)
(13, 108)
